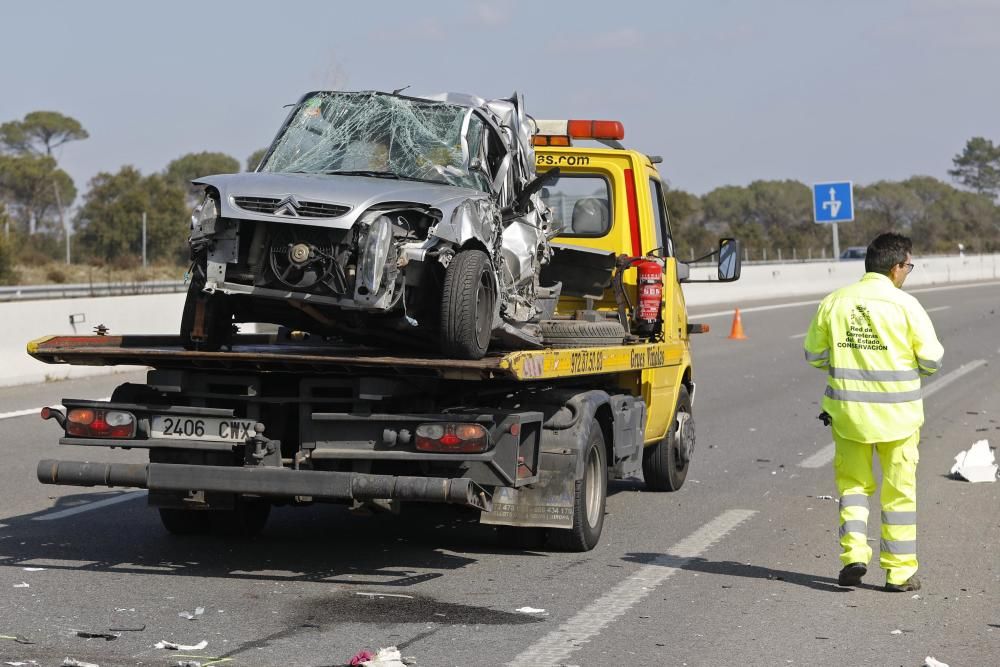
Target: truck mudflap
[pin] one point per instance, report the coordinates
(547, 504)
(275, 482)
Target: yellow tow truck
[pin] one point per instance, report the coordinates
(528, 438)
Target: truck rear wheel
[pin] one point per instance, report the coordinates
(665, 464)
(246, 519)
(574, 333)
(467, 304)
(589, 498)
(185, 522)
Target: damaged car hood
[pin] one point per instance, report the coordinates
(331, 200)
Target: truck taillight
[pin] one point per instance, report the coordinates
(452, 437)
(91, 423)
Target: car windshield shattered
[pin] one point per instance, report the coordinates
(375, 134)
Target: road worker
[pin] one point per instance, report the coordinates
(875, 341)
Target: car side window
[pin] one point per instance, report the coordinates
(660, 219)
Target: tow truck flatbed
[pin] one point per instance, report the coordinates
(264, 353)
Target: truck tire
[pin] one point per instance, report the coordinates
(467, 304)
(246, 519)
(574, 333)
(217, 317)
(589, 498)
(665, 464)
(185, 522)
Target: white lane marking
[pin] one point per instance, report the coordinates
(943, 288)
(825, 455)
(753, 309)
(96, 505)
(793, 304)
(35, 411)
(555, 647)
(934, 310)
(801, 335)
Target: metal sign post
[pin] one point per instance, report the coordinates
(833, 203)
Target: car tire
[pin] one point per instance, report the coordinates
(559, 333)
(467, 304)
(185, 522)
(216, 316)
(665, 464)
(589, 498)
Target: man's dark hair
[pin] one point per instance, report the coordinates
(886, 251)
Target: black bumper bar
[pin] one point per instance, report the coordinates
(279, 482)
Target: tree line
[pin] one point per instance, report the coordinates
(38, 205)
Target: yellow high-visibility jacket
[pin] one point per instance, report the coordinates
(875, 341)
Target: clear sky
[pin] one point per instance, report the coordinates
(726, 91)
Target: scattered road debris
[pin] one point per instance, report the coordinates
(23, 584)
(931, 662)
(32, 569)
(107, 636)
(977, 464)
(20, 639)
(73, 662)
(134, 628)
(192, 616)
(823, 497)
(360, 657)
(21, 663)
(896, 632)
(171, 646)
(383, 595)
(529, 610)
(386, 657)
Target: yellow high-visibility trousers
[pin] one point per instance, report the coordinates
(856, 483)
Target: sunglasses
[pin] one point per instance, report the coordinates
(909, 267)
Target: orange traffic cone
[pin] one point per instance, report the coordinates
(736, 333)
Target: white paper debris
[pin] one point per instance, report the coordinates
(23, 584)
(530, 610)
(386, 657)
(896, 632)
(21, 663)
(931, 662)
(72, 662)
(181, 647)
(33, 569)
(977, 464)
(191, 616)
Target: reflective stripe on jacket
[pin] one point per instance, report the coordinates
(875, 341)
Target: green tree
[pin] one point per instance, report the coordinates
(110, 220)
(40, 132)
(188, 167)
(8, 276)
(28, 183)
(978, 167)
(255, 159)
(689, 234)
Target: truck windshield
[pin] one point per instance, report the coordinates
(375, 134)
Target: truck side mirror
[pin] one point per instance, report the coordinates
(729, 260)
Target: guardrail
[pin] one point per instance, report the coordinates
(39, 292)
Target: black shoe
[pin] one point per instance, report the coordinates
(911, 584)
(851, 574)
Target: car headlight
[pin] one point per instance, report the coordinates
(375, 253)
(204, 212)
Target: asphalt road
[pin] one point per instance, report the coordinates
(737, 568)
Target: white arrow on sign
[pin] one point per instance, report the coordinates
(833, 203)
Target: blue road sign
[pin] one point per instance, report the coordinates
(833, 202)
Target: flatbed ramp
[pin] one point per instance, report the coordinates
(263, 353)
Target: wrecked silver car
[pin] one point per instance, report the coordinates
(383, 218)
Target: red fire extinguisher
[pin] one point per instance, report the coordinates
(650, 284)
